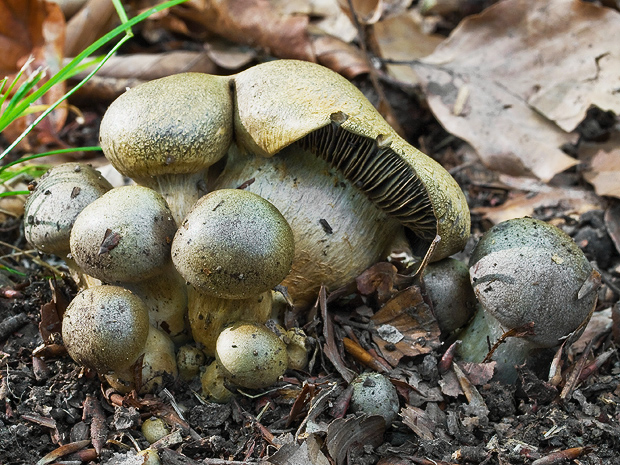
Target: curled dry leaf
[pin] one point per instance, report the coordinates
(344, 435)
(604, 172)
(33, 28)
(419, 422)
(514, 79)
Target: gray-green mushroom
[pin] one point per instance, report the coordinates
(105, 328)
(53, 206)
(124, 236)
(166, 133)
(374, 394)
(308, 141)
(526, 272)
(232, 248)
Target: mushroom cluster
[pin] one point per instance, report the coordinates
(283, 174)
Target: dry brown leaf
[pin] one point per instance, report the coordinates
(365, 11)
(257, 24)
(604, 173)
(344, 435)
(33, 28)
(612, 223)
(419, 422)
(401, 38)
(94, 19)
(405, 326)
(568, 201)
(501, 72)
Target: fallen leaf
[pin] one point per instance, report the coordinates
(94, 19)
(412, 319)
(612, 223)
(417, 419)
(565, 200)
(505, 76)
(353, 433)
(33, 28)
(604, 172)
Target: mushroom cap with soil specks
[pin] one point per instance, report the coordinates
(124, 236)
(286, 101)
(58, 198)
(233, 244)
(525, 271)
(105, 328)
(250, 355)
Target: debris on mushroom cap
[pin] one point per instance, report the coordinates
(59, 196)
(250, 355)
(286, 101)
(447, 284)
(105, 328)
(233, 244)
(165, 134)
(124, 236)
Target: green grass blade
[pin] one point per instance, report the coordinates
(95, 148)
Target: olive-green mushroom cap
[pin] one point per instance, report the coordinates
(233, 244)
(124, 236)
(282, 102)
(525, 270)
(178, 124)
(250, 355)
(105, 328)
(58, 198)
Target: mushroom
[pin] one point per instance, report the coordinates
(447, 285)
(250, 356)
(374, 394)
(105, 328)
(54, 204)
(124, 238)
(232, 247)
(166, 133)
(308, 141)
(158, 361)
(525, 271)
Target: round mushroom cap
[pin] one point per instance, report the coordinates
(124, 236)
(374, 394)
(58, 198)
(250, 355)
(233, 244)
(525, 270)
(105, 328)
(178, 124)
(287, 101)
(447, 284)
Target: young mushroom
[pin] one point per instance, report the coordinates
(124, 238)
(166, 133)
(338, 172)
(526, 272)
(105, 328)
(233, 248)
(52, 207)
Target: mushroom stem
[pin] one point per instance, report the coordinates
(181, 191)
(209, 315)
(338, 232)
(82, 280)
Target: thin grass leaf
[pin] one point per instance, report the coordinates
(12, 271)
(95, 148)
(13, 193)
(15, 81)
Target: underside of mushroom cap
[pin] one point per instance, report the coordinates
(283, 102)
(179, 124)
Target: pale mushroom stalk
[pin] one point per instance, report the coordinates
(288, 110)
(526, 272)
(233, 248)
(166, 133)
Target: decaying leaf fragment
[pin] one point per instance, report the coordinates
(604, 172)
(515, 79)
